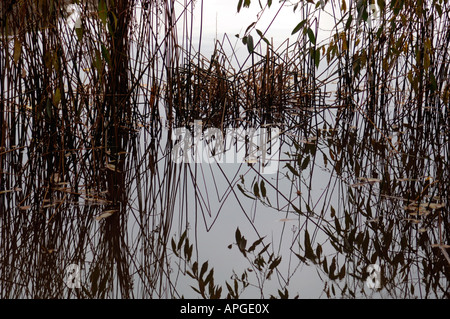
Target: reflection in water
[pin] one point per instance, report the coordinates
(93, 206)
(369, 212)
(390, 212)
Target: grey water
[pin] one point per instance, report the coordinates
(352, 211)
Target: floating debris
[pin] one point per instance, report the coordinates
(112, 167)
(106, 214)
(50, 205)
(423, 208)
(251, 160)
(369, 179)
(287, 220)
(412, 220)
(365, 181)
(434, 205)
(56, 178)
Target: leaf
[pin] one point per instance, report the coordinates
(297, 210)
(256, 243)
(309, 253)
(256, 189)
(262, 37)
(263, 250)
(105, 54)
(196, 290)
(79, 31)
(115, 22)
(275, 263)
(174, 246)
(250, 44)
(98, 62)
(305, 162)
(190, 275)
(343, 37)
(332, 269)
(263, 189)
(242, 244)
(239, 6)
(57, 97)
(342, 272)
(426, 61)
(333, 211)
(195, 268)
(102, 11)
(48, 108)
(365, 243)
(182, 238)
(230, 290)
(299, 26)
(325, 265)
(349, 22)
(317, 58)
(318, 251)
(311, 36)
(250, 26)
(293, 171)
(243, 192)
(17, 50)
(210, 276)
(433, 84)
(337, 225)
(238, 236)
(188, 250)
(204, 269)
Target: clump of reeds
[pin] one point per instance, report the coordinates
(69, 104)
(75, 99)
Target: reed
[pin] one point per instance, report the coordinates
(84, 150)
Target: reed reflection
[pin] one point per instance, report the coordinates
(92, 204)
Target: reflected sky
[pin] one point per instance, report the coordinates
(91, 180)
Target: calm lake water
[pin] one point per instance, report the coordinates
(357, 206)
(340, 201)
